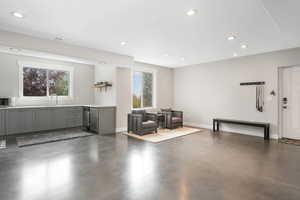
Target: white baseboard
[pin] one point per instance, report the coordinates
(232, 130)
(122, 129)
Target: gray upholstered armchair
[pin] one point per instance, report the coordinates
(142, 123)
(173, 119)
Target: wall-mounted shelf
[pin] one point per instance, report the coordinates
(101, 85)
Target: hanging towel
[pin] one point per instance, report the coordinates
(260, 98)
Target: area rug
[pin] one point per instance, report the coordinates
(165, 134)
(50, 137)
(289, 141)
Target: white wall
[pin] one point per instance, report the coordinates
(104, 72)
(123, 97)
(9, 79)
(210, 90)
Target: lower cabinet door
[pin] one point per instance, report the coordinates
(107, 121)
(20, 121)
(74, 117)
(59, 118)
(43, 119)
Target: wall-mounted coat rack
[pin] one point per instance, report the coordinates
(259, 93)
(253, 83)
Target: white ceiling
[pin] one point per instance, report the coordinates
(158, 27)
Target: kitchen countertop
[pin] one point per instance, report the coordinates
(54, 106)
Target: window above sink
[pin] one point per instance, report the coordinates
(39, 80)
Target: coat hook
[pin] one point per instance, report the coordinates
(273, 93)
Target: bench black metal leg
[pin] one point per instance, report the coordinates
(214, 126)
(267, 133)
(218, 126)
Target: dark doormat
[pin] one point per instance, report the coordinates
(42, 138)
(289, 141)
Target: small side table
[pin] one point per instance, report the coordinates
(161, 120)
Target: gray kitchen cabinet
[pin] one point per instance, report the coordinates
(43, 119)
(74, 117)
(2, 122)
(67, 117)
(103, 120)
(19, 121)
(107, 121)
(25, 120)
(59, 118)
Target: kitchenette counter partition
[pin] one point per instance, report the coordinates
(28, 119)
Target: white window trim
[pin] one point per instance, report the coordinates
(154, 74)
(69, 69)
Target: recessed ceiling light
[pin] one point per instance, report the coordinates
(191, 12)
(123, 43)
(232, 37)
(17, 14)
(166, 55)
(182, 59)
(235, 55)
(244, 46)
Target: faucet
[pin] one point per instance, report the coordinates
(56, 99)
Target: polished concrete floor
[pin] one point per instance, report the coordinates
(198, 166)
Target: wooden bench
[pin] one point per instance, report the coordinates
(266, 126)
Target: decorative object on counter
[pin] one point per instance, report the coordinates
(12, 101)
(259, 93)
(102, 84)
(2, 144)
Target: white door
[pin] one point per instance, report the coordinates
(290, 103)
